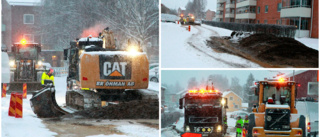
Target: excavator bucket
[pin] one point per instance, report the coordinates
(18, 87)
(44, 105)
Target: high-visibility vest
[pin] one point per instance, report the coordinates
(45, 76)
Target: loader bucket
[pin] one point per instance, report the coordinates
(44, 105)
(18, 87)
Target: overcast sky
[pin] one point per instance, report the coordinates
(182, 76)
(175, 4)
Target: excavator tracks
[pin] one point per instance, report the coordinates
(44, 105)
(82, 99)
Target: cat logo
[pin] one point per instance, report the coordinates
(115, 69)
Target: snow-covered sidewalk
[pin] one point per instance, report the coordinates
(28, 126)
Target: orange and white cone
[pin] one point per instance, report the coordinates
(12, 107)
(24, 90)
(4, 90)
(19, 102)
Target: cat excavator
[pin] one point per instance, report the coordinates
(99, 72)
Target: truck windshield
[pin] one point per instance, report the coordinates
(281, 95)
(27, 52)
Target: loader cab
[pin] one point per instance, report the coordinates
(277, 92)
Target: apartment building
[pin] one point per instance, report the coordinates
(301, 13)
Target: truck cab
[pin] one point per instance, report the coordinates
(204, 112)
(276, 114)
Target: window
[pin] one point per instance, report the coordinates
(279, 21)
(279, 7)
(230, 98)
(236, 106)
(258, 21)
(28, 37)
(265, 21)
(266, 9)
(28, 19)
(313, 88)
(258, 10)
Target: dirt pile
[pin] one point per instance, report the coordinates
(269, 51)
(281, 50)
(138, 109)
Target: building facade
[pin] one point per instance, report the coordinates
(209, 15)
(303, 14)
(234, 101)
(19, 22)
(308, 83)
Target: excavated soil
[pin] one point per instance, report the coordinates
(269, 51)
(138, 109)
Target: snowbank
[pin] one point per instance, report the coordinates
(309, 42)
(28, 126)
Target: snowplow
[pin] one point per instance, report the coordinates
(204, 112)
(276, 114)
(26, 67)
(99, 72)
(190, 20)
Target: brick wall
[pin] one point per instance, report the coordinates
(272, 16)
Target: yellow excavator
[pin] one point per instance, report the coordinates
(276, 114)
(99, 71)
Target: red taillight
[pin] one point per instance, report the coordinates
(145, 79)
(299, 133)
(309, 128)
(299, 85)
(84, 78)
(255, 131)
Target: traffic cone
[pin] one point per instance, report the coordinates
(4, 90)
(19, 102)
(24, 90)
(189, 28)
(178, 22)
(12, 107)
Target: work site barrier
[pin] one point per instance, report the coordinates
(277, 30)
(60, 71)
(15, 108)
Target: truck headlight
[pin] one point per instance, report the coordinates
(11, 63)
(81, 51)
(219, 128)
(187, 129)
(40, 63)
(223, 101)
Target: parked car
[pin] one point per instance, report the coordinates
(242, 114)
(153, 65)
(154, 74)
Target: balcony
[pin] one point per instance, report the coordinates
(229, 15)
(245, 16)
(230, 5)
(221, 1)
(247, 3)
(219, 8)
(296, 12)
(219, 16)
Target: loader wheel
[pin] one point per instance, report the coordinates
(302, 125)
(252, 123)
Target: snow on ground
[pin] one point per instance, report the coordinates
(310, 42)
(220, 31)
(114, 135)
(28, 126)
(178, 52)
(138, 130)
